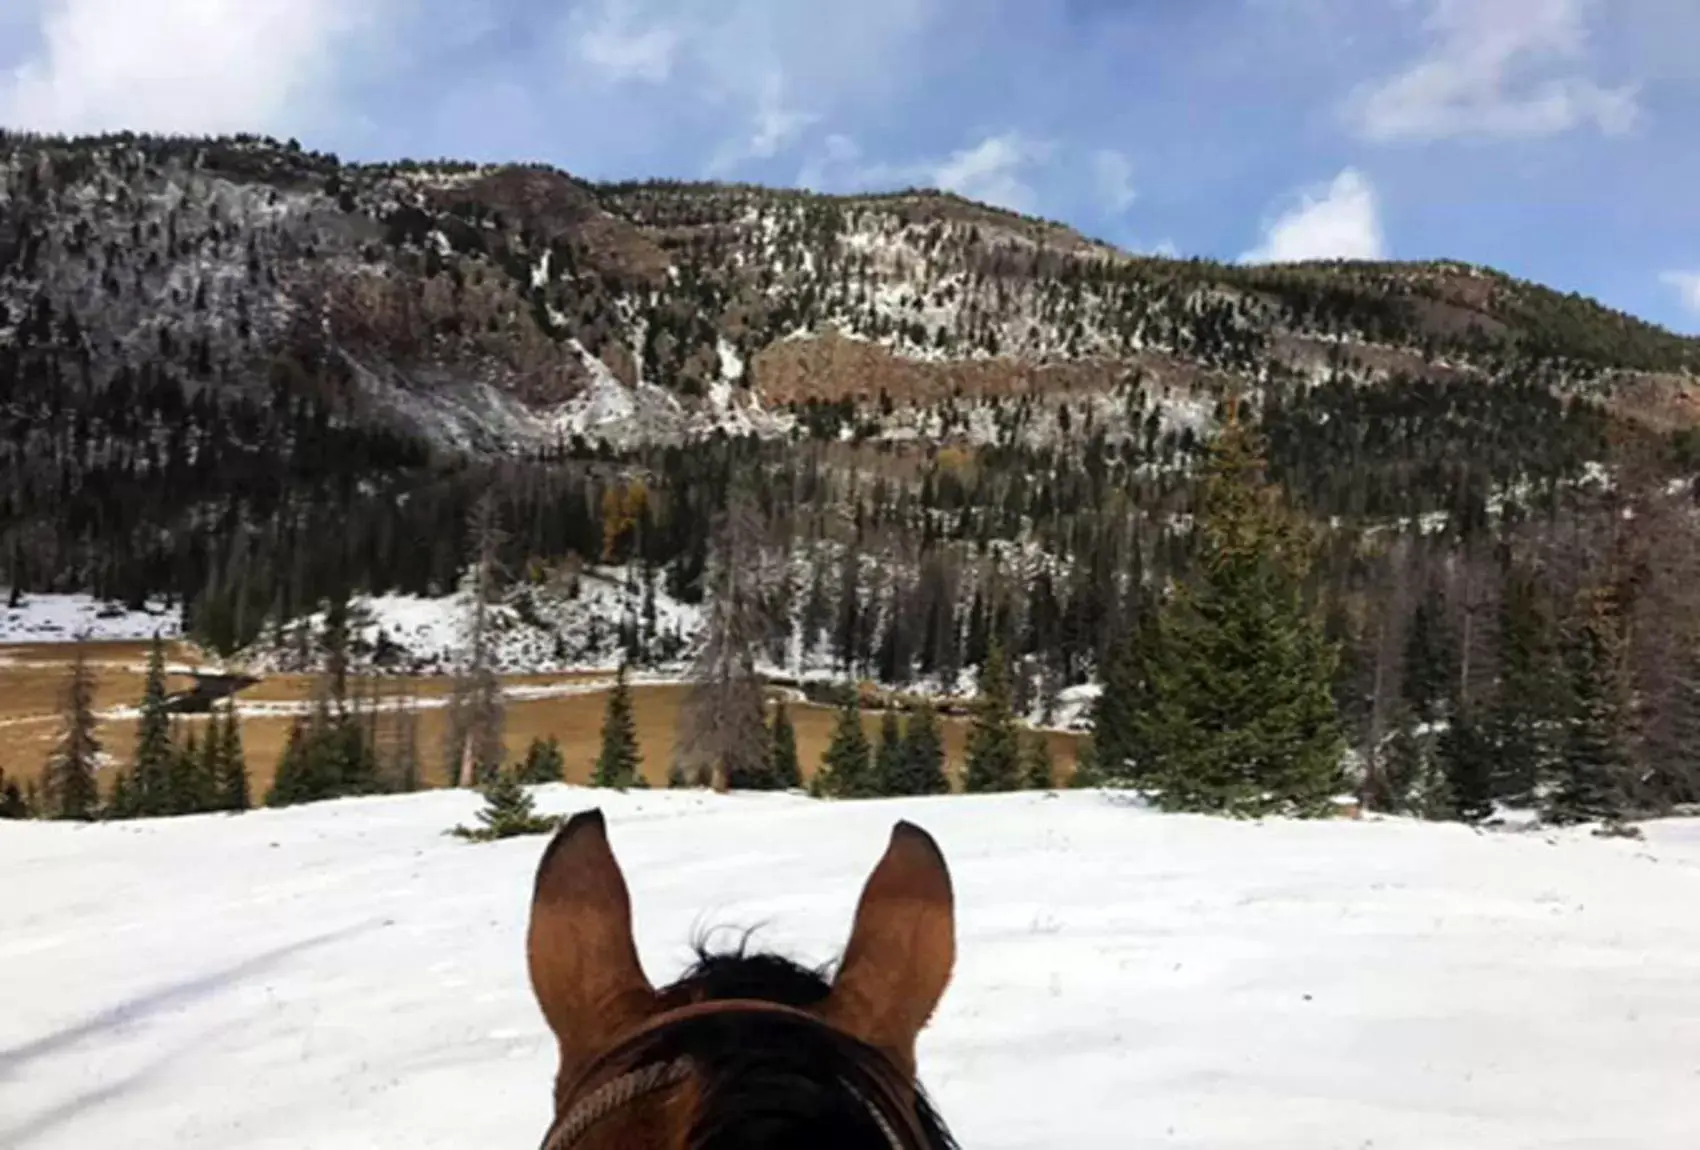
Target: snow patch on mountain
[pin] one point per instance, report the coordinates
(61, 618)
(574, 623)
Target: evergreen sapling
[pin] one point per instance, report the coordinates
(845, 771)
(787, 771)
(508, 812)
(618, 763)
(994, 744)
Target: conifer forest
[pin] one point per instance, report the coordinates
(1420, 535)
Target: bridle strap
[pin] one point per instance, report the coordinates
(629, 1087)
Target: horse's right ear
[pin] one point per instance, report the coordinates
(901, 951)
(579, 948)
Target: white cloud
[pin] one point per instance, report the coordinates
(1687, 287)
(991, 171)
(773, 126)
(607, 38)
(1496, 69)
(1339, 221)
(179, 66)
(1113, 175)
(763, 70)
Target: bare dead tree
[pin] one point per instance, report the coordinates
(404, 752)
(722, 727)
(475, 746)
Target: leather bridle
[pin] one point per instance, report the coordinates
(593, 1097)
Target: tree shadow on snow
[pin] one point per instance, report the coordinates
(173, 995)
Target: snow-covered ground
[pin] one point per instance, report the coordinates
(61, 618)
(345, 975)
(538, 630)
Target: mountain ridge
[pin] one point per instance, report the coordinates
(475, 305)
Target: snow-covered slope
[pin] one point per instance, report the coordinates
(61, 618)
(539, 630)
(346, 976)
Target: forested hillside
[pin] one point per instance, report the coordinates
(260, 381)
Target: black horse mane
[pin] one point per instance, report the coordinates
(771, 1082)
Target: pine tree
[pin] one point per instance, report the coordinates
(151, 769)
(233, 764)
(1429, 671)
(1465, 759)
(1594, 769)
(351, 753)
(845, 770)
(293, 780)
(890, 760)
(923, 753)
(1038, 768)
(1529, 697)
(619, 762)
(183, 776)
(69, 788)
(1243, 719)
(994, 744)
(122, 803)
(544, 762)
(1123, 696)
(183, 779)
(209, 771)
(508, 811)
(787, 771)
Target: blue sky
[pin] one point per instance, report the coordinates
(1556, 139)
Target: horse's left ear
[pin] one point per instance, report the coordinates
(901, 951)
(580, 950)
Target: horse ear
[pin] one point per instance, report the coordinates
(901, 951)
(579, 948)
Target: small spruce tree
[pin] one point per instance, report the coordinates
(923, 753)
(994, 744)
(70, 789)
(890, 761)
(1594, 768)
(1038, 769)
(292, 782)
(151, 769)
(845, 771)
(209, 772)
(543, 762)
(783, 762)
(233, 764)
(183, 777)
(619, 761)
(508, 811)
(1465, 761)
(1124, 695)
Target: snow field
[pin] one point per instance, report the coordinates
(345, 975)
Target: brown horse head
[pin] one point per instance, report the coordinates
(747, 1051)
